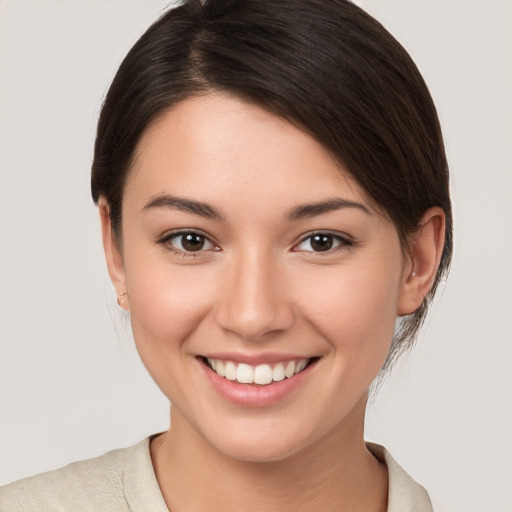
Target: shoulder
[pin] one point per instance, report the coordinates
(404, 493)
(93, 484)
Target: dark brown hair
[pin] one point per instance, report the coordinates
(325, 66)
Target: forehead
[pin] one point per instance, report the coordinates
(223, 149)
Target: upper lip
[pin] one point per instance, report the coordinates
(255, 359)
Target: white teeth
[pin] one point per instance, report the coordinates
(278, 372)
(261, 374)
(290, 369)
(244, 374)
(301, 365)
(230, 371)
(220, 368)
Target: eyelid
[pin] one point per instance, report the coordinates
(169, 235)
(344, 239)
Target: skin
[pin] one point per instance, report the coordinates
(258, 288)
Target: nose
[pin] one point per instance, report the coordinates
(254, 303)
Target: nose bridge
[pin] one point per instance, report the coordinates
(254, 302)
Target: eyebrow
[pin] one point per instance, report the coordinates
(205, 210)
(329, 205)
(184, 205)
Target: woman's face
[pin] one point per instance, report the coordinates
(246, 247)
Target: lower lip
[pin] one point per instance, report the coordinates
(254, 395)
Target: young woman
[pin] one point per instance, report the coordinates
(273, 194)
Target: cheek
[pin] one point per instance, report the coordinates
(355, 310)
(167, 302)
(166, 307)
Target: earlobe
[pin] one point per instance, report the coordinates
(113, 255)
(426, 247)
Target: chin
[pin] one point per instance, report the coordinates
(259, 451)
(257, 440)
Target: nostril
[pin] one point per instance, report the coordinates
(254, 301)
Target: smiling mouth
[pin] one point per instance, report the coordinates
(261, 374)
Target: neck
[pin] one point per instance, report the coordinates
(335, 473)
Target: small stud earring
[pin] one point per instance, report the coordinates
(413, 273)
(122, 294)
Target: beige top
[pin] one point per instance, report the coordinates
(124, 481)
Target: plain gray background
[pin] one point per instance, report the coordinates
(71, 384)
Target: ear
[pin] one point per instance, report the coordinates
(113, 255)
(426, 247)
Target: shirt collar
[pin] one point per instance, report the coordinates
(143, 493)
(404, 493)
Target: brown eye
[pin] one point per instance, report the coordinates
(189, 242)
(192, 242)
(322, 242)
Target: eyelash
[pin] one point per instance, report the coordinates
(342, 242)
(166, 240)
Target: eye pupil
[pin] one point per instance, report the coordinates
(192, 242)
(321, 243)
